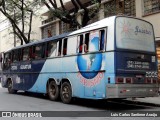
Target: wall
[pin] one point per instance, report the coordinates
(153, 18)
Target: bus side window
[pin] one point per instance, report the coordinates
(15, 55)
(80, 44)
(59, 47)
(20, 54)
(71, 45)
(51, 49)
(25, 53)
(65, 46)
(31, 55)
(38, 51)
(7, 60)
(86, 43)
(102, 40)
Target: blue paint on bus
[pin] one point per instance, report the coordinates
(116, 64)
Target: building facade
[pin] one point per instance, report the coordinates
(47, 25)
(145, 9)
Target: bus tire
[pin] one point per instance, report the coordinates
(66, 93)
(53, 91)
(10, 87)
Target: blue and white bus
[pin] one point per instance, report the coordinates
(112, 58)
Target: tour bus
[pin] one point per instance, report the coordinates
(109, 59)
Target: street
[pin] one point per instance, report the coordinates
(37, 102)
(91, 59)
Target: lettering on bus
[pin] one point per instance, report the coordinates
(14, 67)
(25, 67)
(142, 31)
(138, 64)
(91, 82)
(152, 74)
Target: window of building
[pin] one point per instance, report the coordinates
(109, 8)
(49, 31)
(64, 27)
(129, 8)
(51, 49)
(151, 6)
(95, 18)
(118, 7)
(48, 20)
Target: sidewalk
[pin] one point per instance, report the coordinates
(152, 100)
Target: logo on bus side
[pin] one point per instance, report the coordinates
(91, 82)
(90, 65)
(139, 30)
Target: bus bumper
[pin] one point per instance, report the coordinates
(131, 90)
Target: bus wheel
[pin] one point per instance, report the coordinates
(66, 93)
(10, 87)
(53, 91)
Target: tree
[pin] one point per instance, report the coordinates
(70, 16)
(20, 14)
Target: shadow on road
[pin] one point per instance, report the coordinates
(111, 105)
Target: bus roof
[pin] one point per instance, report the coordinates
(43, 40)
(99, 24)
(96, 25)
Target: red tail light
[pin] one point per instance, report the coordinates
(148, 80)
(151, 80)
(154, 80)
(120, 80)
(128, 80)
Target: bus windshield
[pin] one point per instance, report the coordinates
(134, 34)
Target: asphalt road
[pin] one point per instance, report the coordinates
(37, 102)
